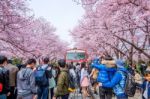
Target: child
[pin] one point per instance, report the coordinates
(93, 79)
(146, 86)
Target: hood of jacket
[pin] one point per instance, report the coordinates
(109, 63)
(122, 69)
(24, 73)
(64, 70)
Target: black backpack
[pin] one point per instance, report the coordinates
(1, 80)
(130, 85)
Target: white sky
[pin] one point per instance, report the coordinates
(63, 14)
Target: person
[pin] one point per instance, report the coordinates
(43, 88)
(131, 69)
(20, 66)
(148, 68)
(146, 86)
(118, 81)
(93, 77)
(143, 68)
(78, 73)
(84, 80)
(62, 86)
(52, 82)
(72, 72)
(72, 65)
(138, 78)
(57, 69)
(12, 78)
(4, 78)
(26, 81)
(106, 70)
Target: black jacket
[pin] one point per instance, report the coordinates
(4, 79)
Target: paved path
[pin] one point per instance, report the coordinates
(78, 96)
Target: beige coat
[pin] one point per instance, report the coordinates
(12, 74)
(138, 78)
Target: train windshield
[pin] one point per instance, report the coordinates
(76, 55)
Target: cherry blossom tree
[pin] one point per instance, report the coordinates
(21, 35)
(13, 17)
(118, 27)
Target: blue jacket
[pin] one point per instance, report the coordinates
(117, 82)
(105, 74)
(144, 88)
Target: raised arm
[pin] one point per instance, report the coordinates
(115, 80)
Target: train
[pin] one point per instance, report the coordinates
(76, 55)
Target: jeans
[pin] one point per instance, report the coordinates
(3, 96)
(65, 96)
(25, 97)
(43, 92)
(105, 93)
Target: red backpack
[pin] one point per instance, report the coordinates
(1, 80)
(1, 87)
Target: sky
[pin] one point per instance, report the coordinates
(63, 14)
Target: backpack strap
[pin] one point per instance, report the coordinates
(2, 72)
(48, 71)
(122, 72)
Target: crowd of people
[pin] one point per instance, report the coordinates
(46, 81)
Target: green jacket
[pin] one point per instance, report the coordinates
(62, 83)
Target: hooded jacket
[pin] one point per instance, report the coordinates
(62, 83)
(118, 81)
(26, 82)
(105, 73)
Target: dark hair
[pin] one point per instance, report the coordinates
(21, 66)
(108, 57)
(10, 61)
(77, 64)
(70, 66)
(146, 73)
(62, 63)
(46, 60)
(83, 65)
(2, 59)
(30, 61)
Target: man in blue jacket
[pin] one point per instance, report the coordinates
(105, 74)
(118, 81)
